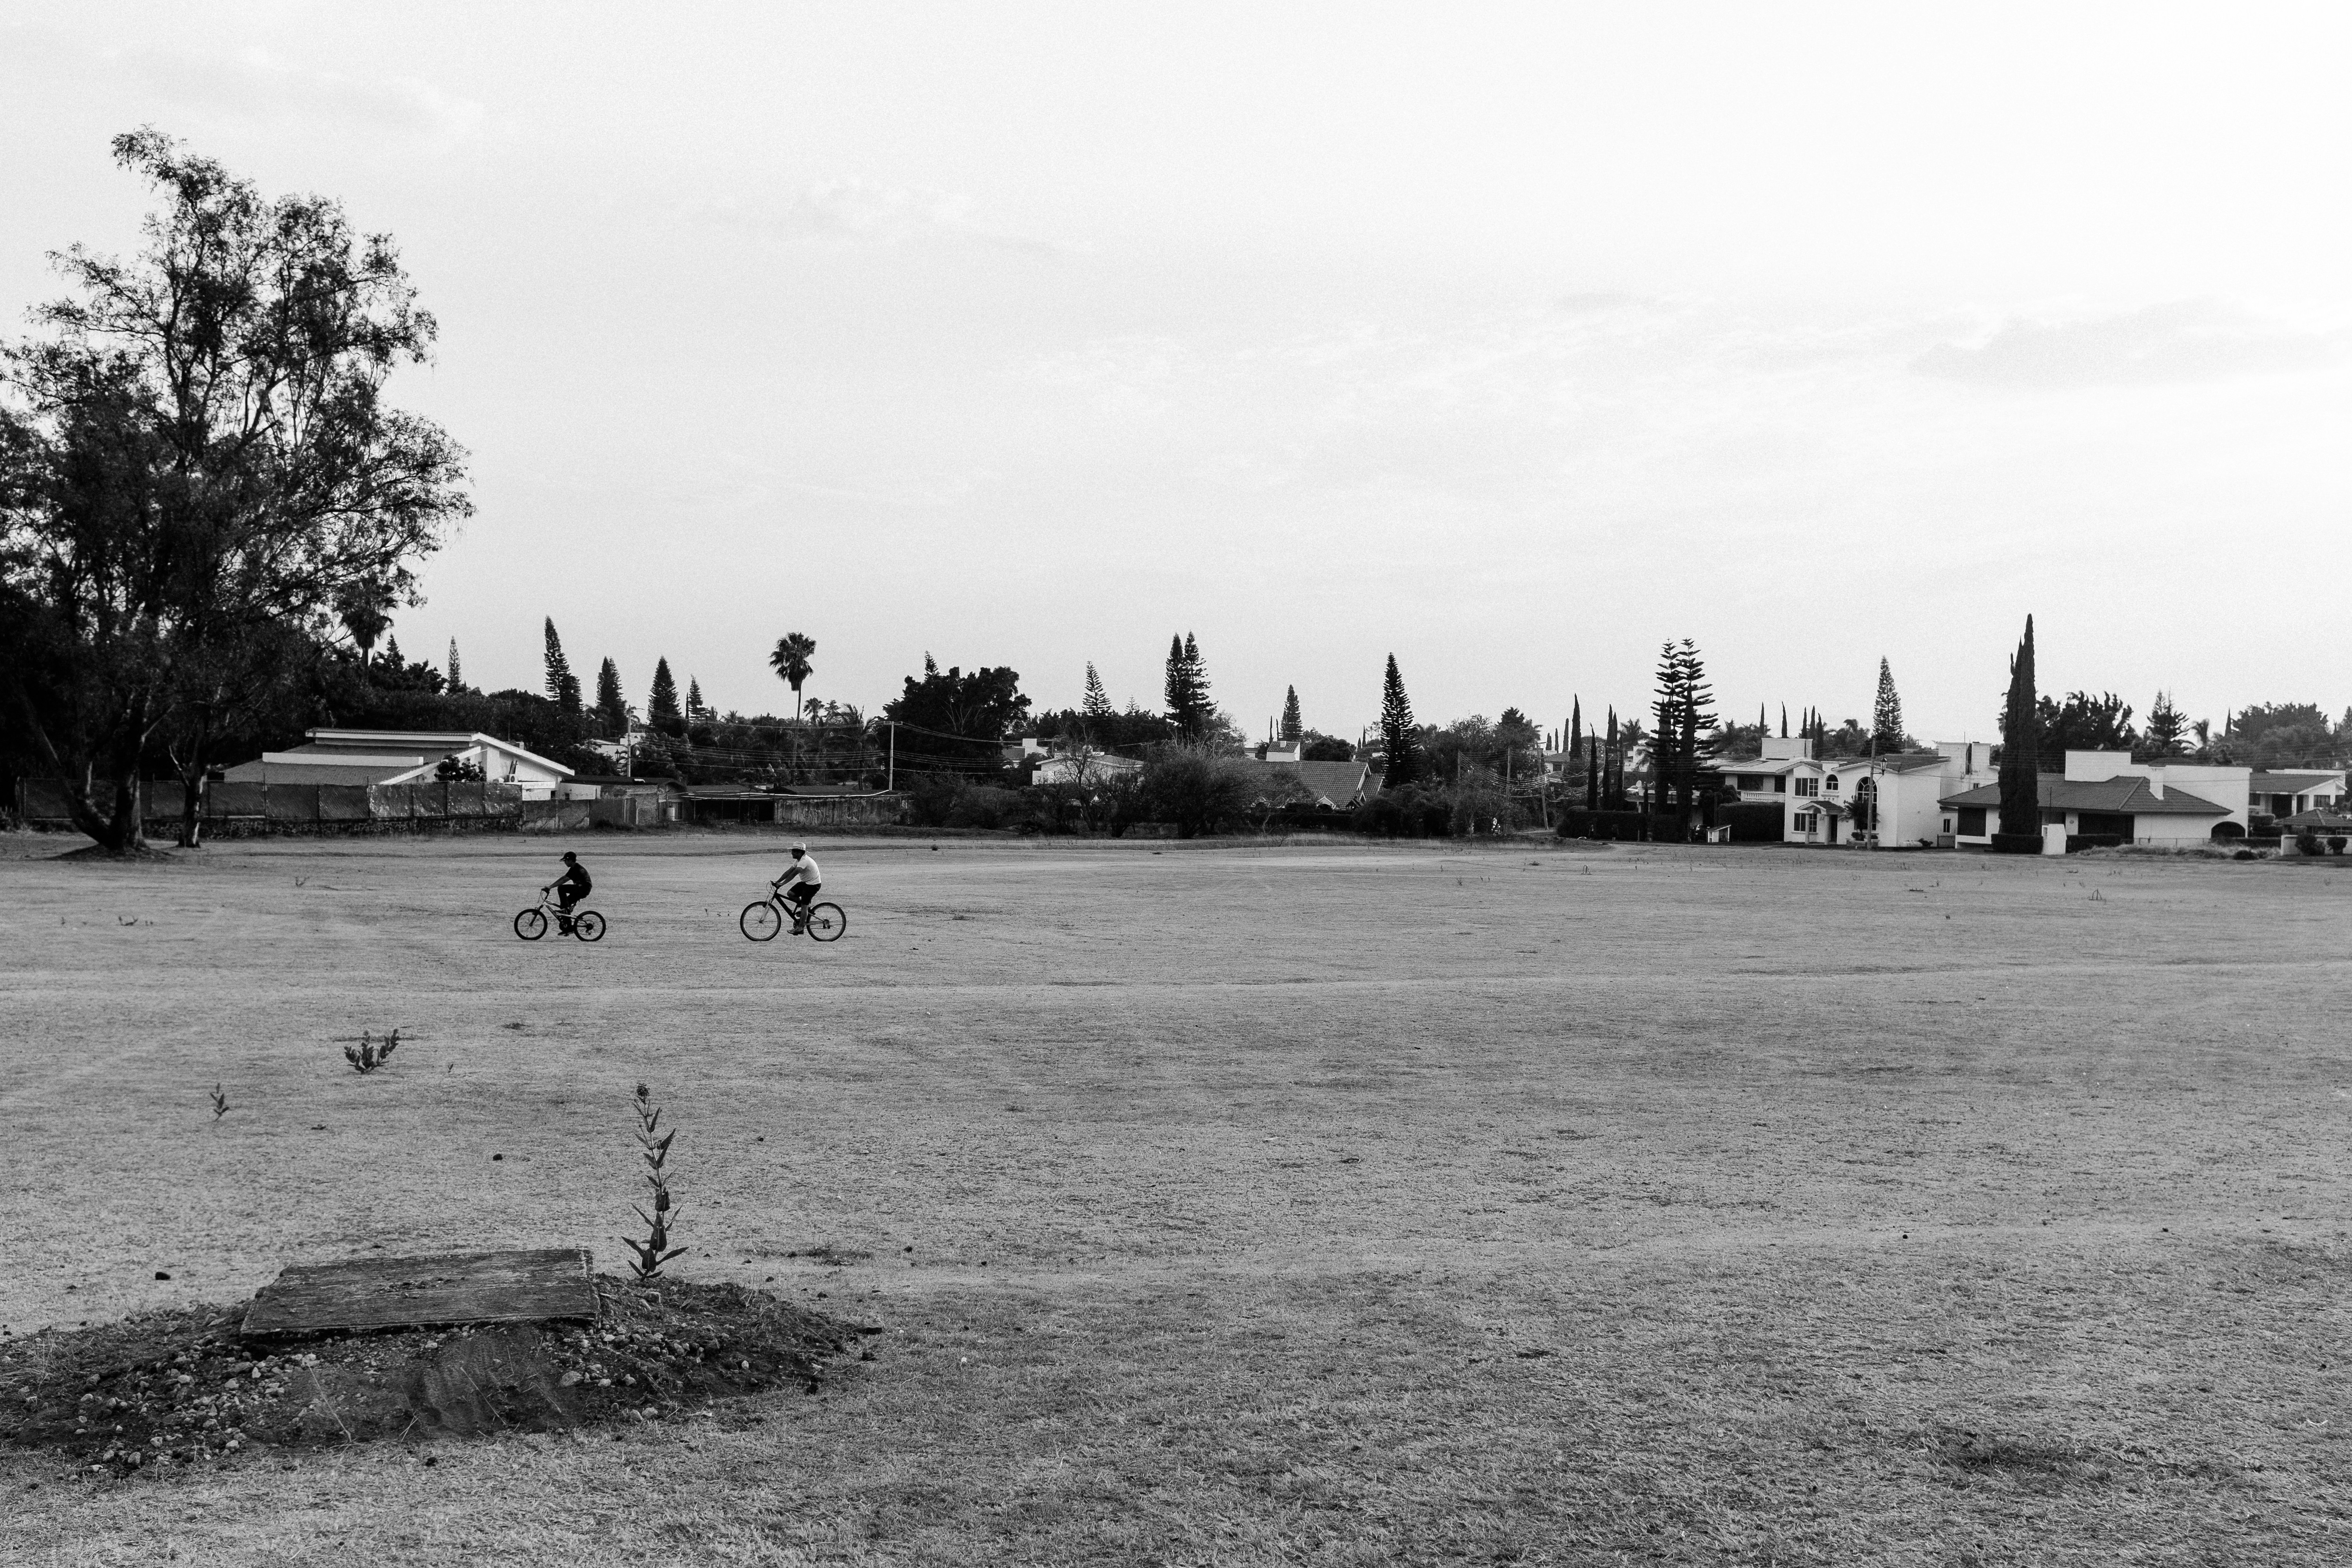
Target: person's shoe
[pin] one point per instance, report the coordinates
(564, 927)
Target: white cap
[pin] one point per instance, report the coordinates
(800, 848)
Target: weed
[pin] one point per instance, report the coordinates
(654, 1143)
(370, 1052)
(220, 1103)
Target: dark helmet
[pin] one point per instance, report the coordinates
(570, 858)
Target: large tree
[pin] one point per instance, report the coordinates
(562, 686)
(2166, 734)
(1399, 735)
(950, 707)
(790, 659)
(1887, 715)
(661, 703)
(197, 465)
(2020, 755)
(1097, 704)
(612, 704)
(1189, 707)
(1293, 725)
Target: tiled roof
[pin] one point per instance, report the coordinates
(1338, 782)
(2125, 794)
(2317, 821)
(2290, 783)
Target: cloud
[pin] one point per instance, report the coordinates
(2186, 341)
(253, 87)
(860, 212)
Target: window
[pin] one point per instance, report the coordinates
(1779, 786)
(1833, 781)
(1806, 821)
(1808, 786)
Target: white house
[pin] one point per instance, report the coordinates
(399, 756)
(1083, 765)
(2285, 793)
(2107, 793)
(1899, 795)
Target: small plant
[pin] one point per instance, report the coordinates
(220, 1103)
(654, 1143)
(370, 1053)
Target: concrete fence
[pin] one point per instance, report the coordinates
(242, 807)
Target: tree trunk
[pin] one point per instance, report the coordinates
(108, 810)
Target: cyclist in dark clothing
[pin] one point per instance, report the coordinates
(569, 890)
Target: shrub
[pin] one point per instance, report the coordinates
(370, 1054)
(1197, 790)
(2078, 842)
(984, 805)
(2228, 830)
(1755, 822)
(2306, 844)
(2336, 843)
(2016, 844)
(931, 799)
(1623, 826)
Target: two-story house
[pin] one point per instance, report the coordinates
(1895, 798)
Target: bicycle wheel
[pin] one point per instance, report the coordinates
(588, 926)
(532, 924)
(826, 922)
(761, 921)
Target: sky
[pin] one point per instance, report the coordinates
(1512, 342)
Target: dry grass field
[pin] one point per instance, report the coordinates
(1320, 1205)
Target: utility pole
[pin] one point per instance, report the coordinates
(890, 778)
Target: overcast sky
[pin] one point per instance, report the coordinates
(1513, 342)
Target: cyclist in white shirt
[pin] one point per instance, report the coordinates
(805, 879)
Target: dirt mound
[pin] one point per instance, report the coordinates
(179, 1385)
(98, 853)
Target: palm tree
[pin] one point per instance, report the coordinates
(365, 609)
(791, 663)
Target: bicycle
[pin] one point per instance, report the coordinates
(763, 920)
(532, 924)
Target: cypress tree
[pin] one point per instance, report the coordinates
(1398, 735)
(1887, 715)
(611, 708)
(562, 686)
(1292, 727)
(457, 676)
(1665, 730)
(1613, 767)
(1098, 700)
(1575, 727)
(661, 703)
(2021, 761)
(1784, 720)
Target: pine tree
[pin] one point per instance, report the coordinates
(611, 708)
(1098, 700)
(1887, 717)
(1665, 729)
(1188, 687)
(562, 686)
(693, 701)
(1398, 735)
(2021, 760)
(392, 654)
(2168, 730)
(456, 677)
(1292, 727)
(661, 703)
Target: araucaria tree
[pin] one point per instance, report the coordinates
(612, 707)
(1189, 708)
(1097, 701)
(457, 672)
(2166, 734)
(2020, 759)
(562, 686)
(789, 660)
(1293, 726)
(1887, 716)
(661, 703)
(1680, 745)
(1399, 735)
(196, 466)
